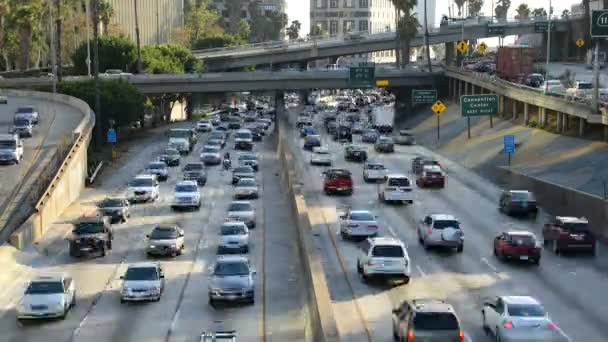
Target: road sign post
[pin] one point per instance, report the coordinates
(424, 96)
(111, 139)
(438, 108)
(478, 105)
(509, 146)
(362, 76)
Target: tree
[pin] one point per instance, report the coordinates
(4, 13)
(234, 9)
(408, 29)
(139, 61)
(25, 16)
(105, 12)
(317, 31)
(243, 30)
(167, 58)
(266, 26)
(199, 22)
(460, 5)
(475, 7)
(502, 7)
(539, 12)
(566, 14)
(523, 12)
(216, 41)
(114, 53)
(293, 30)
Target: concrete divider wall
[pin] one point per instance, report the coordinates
(69, 181)
(560, 200)
(319, 301)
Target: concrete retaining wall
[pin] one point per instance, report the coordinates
(560, 200)
(69, 181)
(322, 319)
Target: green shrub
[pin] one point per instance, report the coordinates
(533, 123)
(115, 52)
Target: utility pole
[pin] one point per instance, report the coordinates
(88, 15)
(139, 68)
(98, 121)
(58, 49)
(548, 47)
(52, 43)
(596, 78)
(426, 39)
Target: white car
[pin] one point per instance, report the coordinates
(243, 211)
(158, 168)
(47, 296)
(211, 155)
(3, 99)
(246, 188)
(165, 240)
(373, 171)
(397, 188)
(143, 281)
(187, 196)
(234, 237)
(321, 156)
(358, 223)
(553, 87)
(510, 318)
(204, 126)
(384, 257)
(27, 112)
(143, 188)
(440, 230)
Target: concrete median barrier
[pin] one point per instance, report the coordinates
(322, 321)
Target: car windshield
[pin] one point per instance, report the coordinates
(243, 135)
(44, 287)
(441, 224)
(233, 230)
(398, 182)
(194, 167)
(161, 233)
(89, 228)
(375, 166)
(111, 202)
(24, 110)
(521, 196)
(21, 122)
(585, 85)
(186, 188)
(214, 142)
(521, 240)
(180, 133)
(210, 149)
(231, 268)
(361, 216)
(246, 182)
(156, 166)
(240, 207)
(526, 310)
(242, 170)
(576, 227)
(435, 321)
(141, 182)
(216, 135)
(248, 157)
(432, 174)
(141, 273)
(388, 251)
(8, 144)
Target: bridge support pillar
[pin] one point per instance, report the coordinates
(526, 112)
(581, 126)
(460, 90)
(514, 116)
(559, 122)
(454, 90)
(279, 103)
(567, 121)
(605, 133)
(450, 49)
(501, 105)
(543, 116)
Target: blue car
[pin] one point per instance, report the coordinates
(312, 142)
(307, 130)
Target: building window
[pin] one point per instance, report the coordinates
(333, 27)
(363, 26)
(322, 25)
(321, 3)
(349, 26)
(333, 3)
(349, 3)
(363, 3)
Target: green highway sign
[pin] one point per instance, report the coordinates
(496, 30)
(542, 26)
(478, 105)
(599, 24)
(361, 76)
(421, 96)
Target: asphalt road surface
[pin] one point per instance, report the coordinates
(570, 287)
(183, 312)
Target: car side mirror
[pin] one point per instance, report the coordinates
(122, 277)
(181, 234)
(162, 276)
(395, 311)
(254, 272)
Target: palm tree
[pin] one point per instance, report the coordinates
(105, 12)
(460, 5)
(475, 6)
(25, 16)
(4, 11)
(408, 29)
(403, 8)
(523, 12)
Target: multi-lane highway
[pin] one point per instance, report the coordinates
(570, 287)
(56, 123)
(183, 311)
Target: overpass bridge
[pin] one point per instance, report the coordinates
(302, 51)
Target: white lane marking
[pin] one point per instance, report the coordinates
(392, 231)
(466, 337)
(485, 261)
(562, 332)
(421, 270)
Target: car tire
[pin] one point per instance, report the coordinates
(359, 268)
(484, 325)
(460, 249)
(73, 303)
(103, 251)
(245, 249)
(536, 262)
(406, 280)
(344, 236)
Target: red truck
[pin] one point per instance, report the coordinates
(514, 63)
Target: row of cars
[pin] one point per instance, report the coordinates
(25, 119)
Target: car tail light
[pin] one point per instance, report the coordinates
(508, 325)
(410, 336)
(406, 189)
(430, 230)
(552, 325)
(371, 226)
(461, 336)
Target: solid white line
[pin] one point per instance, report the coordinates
(392, 231)
(562, 332)
(485, 261)
(421, 270)
(466, 337)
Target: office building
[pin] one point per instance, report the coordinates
(266, 6)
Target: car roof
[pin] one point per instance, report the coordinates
(431, 168)
(232, 258)
(93, 219)
(519, 300)
(157, 163)
(443, 217)
(361, 212)
(570, 219)
(431, 305)
(519, 191)
(374, 162)
(233, 223)
(50, 276)
(145, 176)
(144, 264)
(386, 241)
(166, 227)
(396, 175)
(186, 182)
(519, 233)
(240, 202)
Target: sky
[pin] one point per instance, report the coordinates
(300, 9)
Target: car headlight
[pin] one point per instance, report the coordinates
(152, 246)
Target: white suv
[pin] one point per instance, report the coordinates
(143, 188)
(384, 257)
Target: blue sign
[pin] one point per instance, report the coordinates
(111, 136)
(509, 144)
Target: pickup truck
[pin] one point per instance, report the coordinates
(47, 296)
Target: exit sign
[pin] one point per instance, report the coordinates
(599, 24)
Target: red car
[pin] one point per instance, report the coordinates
(518, 245)
(338, 181)
(431, 175)
(564, 233)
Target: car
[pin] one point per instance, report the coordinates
(143, 188)
(215, 120)
(257, 133)
(534, 80)
(518, 202)
(355, 153)
(249, 159)
(242, 172)
(234, 123)
(171, 157)
(384, 144)
(332, 127)
(509, 318)
(90, 235)
(312, 141)
(440, 230)
(3, 98)
(232, 279)
(243, 140)
(357, 128)
(185, 139)
(28, 112)
(580, 89)
(165, 240)
(159, 169)
(419, 163)
(204, 126)
(321, 156)
(553, 87)
(117, 209)
(374, 171)
(195, 172)
(370, 136)
(243, 211)
(405, 137)
(383, 257)
(303, 120)
(11, 149)
(431, 175)
(343, 134)
(214, 142)
(426, 320)
(518, 245)
(564, 233)
(50, 295)
(218, 336)
(357, 223)
(396, 188)
(234, 238)
(384, 129)
(308, 130)
(187, 196)
(23, 127)
(210, 155)
(143, 281)
(264, 123)
(246, 188)
(218, 135)
(337, 181)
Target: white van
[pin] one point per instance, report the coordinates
(11, 149)
(397, 188)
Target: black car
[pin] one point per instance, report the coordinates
(196, 172)
(171, 157)
(355, 153)
(534, 80)
(343, 133)
(91, 236)
(385, 129)
(116, 209)
(242, 172)
(518, 202)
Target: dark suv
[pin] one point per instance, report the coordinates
(564, 233)
(518, 202)
(426, 320)
(91, 236)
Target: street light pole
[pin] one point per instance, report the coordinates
(548, 47)
(53, 51)
(596, 78)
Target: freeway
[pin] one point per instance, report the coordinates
(56, 123)
(183, 311)
(570, 287)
